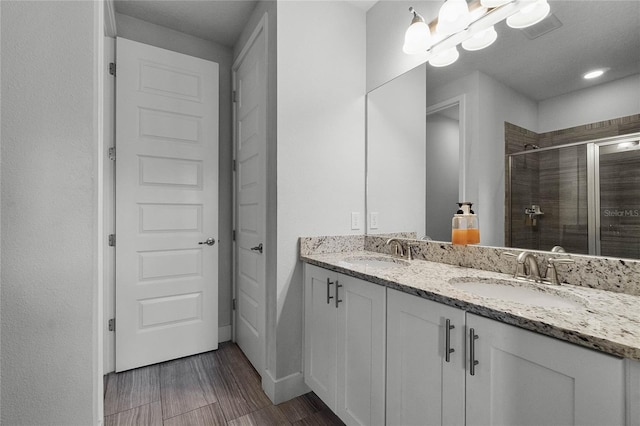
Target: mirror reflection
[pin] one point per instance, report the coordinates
(526, 88)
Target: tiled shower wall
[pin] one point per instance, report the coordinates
(556, 181)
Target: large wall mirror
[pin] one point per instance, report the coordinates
(436, 136)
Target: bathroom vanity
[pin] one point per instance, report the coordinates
(388, 341)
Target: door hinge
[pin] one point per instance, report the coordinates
(112, 153)
(235, 165)
(234, 96)
(112, 240)
(234, 304)
(112, 324)
(112, 68)
(233, 235)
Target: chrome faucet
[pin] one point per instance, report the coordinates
(526, 266)
(529, 265)
(399, 251)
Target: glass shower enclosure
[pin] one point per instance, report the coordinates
(582, 196)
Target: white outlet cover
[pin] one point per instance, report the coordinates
(355, 220)
(373, 220)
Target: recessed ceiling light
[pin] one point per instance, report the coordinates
(593, 74)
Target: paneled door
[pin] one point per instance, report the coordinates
(250, 183)
(166, 205)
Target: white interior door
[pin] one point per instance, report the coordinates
(166, 204)
(250, 179)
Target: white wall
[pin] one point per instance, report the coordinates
(49, 158)
(396, 154)
(465, 91)
(618, 98)
(155, 35)
(497, 103)
(321, 124)
(442, 177)
(387, 21)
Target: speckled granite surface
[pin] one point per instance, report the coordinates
(611, 274)
(602, 320)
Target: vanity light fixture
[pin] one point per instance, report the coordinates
(444, 58)
(481, 39)
(534, 12)
(593, 74)
(417, 39)
(453, 17)
(469, 23)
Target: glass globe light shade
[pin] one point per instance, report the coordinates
(444, 58)
(453, 17)
(533, 13)
(481, 39)
(417, 38)
(494, 3)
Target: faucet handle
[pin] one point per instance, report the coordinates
(409, 245)
(552, 272)
(519, 267)
(554, 260)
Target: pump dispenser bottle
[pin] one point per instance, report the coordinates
(459, 226)
(464, 226)
(473, 228)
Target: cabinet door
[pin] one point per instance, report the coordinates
(361, 352)
(320, 334)
(524, 378)
(422, 387)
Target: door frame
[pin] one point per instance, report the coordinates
(261, 27)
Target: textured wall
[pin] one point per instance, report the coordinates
(48, 179)
(321, 147)
(606, 101)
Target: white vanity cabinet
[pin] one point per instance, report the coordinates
(525, 378)
(424, 385)
(445, 366)
(521, 377)
(345, 344)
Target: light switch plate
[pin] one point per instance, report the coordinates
(355, 220)
(373, 220)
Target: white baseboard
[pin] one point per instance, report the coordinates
(285, 388)
(224, 333)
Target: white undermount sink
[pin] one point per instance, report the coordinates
(520, 292)
(376, 262)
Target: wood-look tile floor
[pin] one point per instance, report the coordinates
(214, 388)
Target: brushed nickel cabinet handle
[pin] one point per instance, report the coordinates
(329, 296)
(472, 351)
(448, 350)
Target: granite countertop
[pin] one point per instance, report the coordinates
(601, 320)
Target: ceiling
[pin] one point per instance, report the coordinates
(593, 34)
(220, 21)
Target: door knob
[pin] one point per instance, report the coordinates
(209, 242)
(257, 248)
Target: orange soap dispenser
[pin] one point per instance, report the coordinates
(459, 225)
(473, 228)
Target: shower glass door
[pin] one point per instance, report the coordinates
(618, 191)
(584, 197)
(548, 199)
